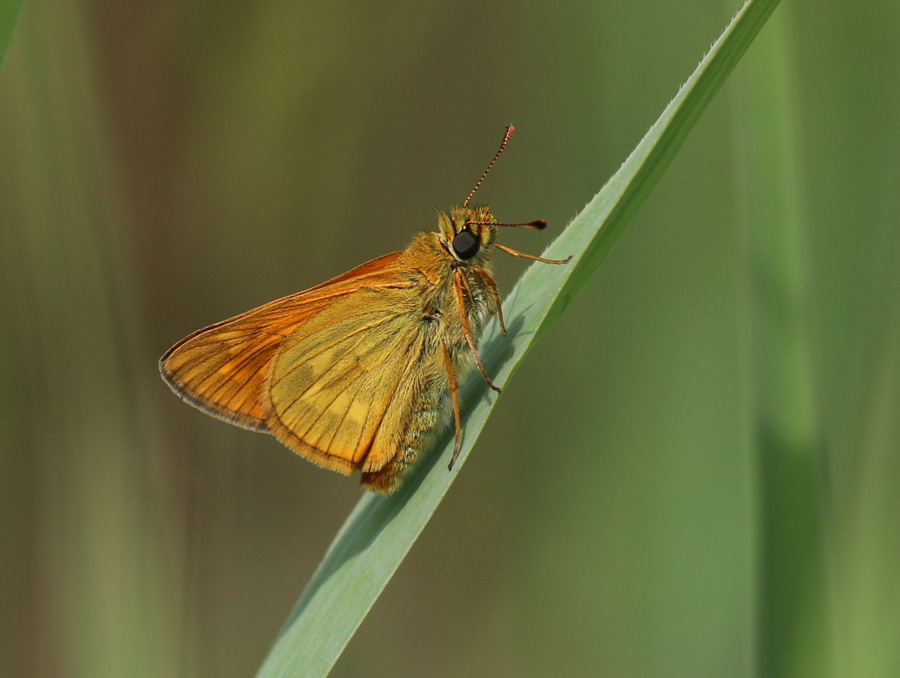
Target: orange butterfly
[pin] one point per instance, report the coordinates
(355, 373)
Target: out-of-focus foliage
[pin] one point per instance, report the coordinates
(167, 165)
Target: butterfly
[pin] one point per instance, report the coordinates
(356, 374)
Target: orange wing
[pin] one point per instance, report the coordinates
(322, 369)
(341, 389)
(221, 369)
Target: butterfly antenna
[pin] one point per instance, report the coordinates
(506, 137)
(537, 224)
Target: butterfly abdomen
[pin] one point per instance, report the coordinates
(429, 415)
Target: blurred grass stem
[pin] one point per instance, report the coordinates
(792, 622)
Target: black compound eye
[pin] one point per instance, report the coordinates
(465, 245)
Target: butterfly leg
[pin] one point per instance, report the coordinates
(517, 253)
(451, 376)
(458, 282)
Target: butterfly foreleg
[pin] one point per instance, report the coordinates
(522, 255)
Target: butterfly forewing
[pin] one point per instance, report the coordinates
(221, 369)
(321, 369)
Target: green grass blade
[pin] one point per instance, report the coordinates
(10, 10)
(380, 531)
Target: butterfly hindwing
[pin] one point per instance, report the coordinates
(342, 386)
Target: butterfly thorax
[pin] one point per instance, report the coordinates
(457, 256)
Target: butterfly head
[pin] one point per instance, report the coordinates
(468, 234)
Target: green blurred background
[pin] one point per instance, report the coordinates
(166, 165)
